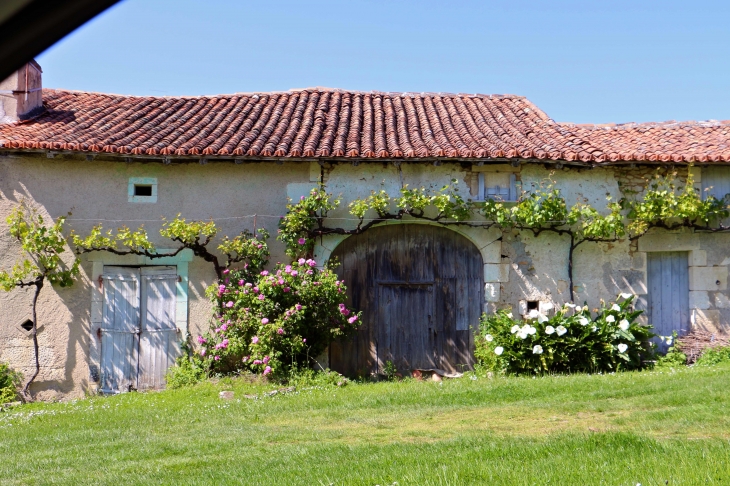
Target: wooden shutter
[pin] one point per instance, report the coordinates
(120, 329)
(717, 179)
(668, 299)
(159, 341)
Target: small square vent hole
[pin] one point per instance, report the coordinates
(532, 305)
(142, 190)
(27, 325)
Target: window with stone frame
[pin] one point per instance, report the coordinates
(499, 186)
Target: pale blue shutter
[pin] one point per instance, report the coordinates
(120, 330)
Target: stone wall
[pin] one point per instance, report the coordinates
(519, 268)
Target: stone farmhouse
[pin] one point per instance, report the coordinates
(131, 160)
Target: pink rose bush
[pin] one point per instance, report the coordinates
(268, 321)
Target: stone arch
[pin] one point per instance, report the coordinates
(421, 291)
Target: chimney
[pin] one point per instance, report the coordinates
(21, 94)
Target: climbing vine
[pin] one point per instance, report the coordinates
(41, 249)
(246, 248)
(664, 204)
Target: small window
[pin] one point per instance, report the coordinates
(27, 325)
(500, 186)
(532, 305)
(142, 190)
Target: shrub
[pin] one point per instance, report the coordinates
(187, 372)
(569, 341)
(9, 383)
(277, 321)
(713, 356)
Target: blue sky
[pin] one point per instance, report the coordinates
(582, 61)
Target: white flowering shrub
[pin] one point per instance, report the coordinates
(571, 339)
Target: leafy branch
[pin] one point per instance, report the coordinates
(41, 249)
(196, 236)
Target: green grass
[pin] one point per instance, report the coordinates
(652, 428)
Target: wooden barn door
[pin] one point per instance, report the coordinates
(138, 334)
(420, 289)
(158, 340)
(120, 329)
(668, 299)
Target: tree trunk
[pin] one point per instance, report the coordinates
(34, 332)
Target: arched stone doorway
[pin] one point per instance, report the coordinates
(420, 289)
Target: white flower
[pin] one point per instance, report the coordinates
(547, 306)
(560, 330)
(616, 308)
(583, 321)
(531, 330)
(594, 329)
(498, 350)
(549, 330)
(542, 318)
(533, 314)
(522, 335)
(623, 325)
(510, 315)
(537, 349)
(515, 329)
(610, 319)
(489, 338)
(570, 304)
(622, 348)
(668, 340)
(626, 296)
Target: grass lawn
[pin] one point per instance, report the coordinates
(652, 428)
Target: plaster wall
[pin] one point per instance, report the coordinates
(518, 267)
(96, 191)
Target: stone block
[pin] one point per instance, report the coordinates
(708, 278)
(492, 253)
(706, 320)
(699, 299)
(492, 292)
(496, 272)
(698, 258)
(722, 301)
(663, 241)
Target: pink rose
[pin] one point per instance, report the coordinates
(280, 331)
(241, 282)
(302, 241)
(224, 327)
(301, 261)
(225, 272)
(257, 361)
(298, 307)
(266, 359)
(310, 272)
(221, 288)
(255, 339)
(304, 340)
(311, 263)
(267, 370)
(286, 289)
(229, 304)
(264, 321)
(301, 198)
(294, 273)
(202, 352)
(264, 273)
(261, 297)
(201, 340)
(217, 358)
(287, 269)
(281, 281)
(352, 319)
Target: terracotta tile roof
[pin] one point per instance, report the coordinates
(321, 122)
